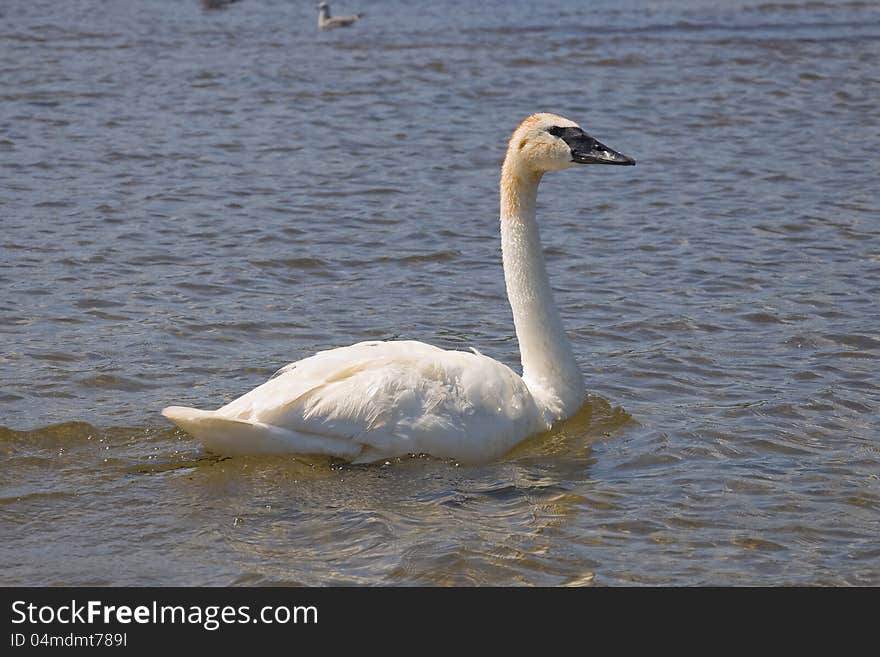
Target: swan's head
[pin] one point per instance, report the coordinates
(548, 142)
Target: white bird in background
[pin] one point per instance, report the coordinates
(326, 22)
(378, 400)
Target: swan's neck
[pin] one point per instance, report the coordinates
(549, 366)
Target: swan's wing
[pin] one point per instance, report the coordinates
(394, 398)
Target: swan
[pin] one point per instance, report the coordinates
(325, 22)
(378, 400)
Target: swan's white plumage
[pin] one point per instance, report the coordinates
(375, 400)
(378, 400)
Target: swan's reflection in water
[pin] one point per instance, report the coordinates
(417, 520)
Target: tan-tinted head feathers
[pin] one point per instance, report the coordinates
(533, 148)
(546, 120)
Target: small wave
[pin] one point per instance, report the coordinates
(437, 256)
(114, 382)
(773, 7)
(64, 432)
(292, 263)
(855, 340)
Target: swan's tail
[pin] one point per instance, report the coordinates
(221, 435)
(191, 420)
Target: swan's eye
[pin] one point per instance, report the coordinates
(556, 131)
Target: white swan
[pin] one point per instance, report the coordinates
(326, 22)
(377, 400)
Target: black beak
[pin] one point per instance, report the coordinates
(599, 153)
(587, 150)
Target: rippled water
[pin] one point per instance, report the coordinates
(191, 199)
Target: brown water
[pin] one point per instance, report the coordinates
(191, 199)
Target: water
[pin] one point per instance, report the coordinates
(191, 199)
